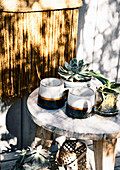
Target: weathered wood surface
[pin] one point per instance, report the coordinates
(104, 154)
(8, 160)
(9, 156)
(8, 165)
(44, 134)
(95, 127)
(91, 155)
(32, 46)
(34, 5)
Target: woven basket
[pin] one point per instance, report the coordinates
(72, 154)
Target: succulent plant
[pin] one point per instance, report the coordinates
(111, 87)
(78, 71)
(75, 71)
(32, 158)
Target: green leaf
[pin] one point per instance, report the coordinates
(84, 74)
(62, 69)
(99, 76)
(65, 76)
(117, 90)
(27, 167)
(63, 73)
(114, 85)
(28, 159)
(80, 63)
(108, 90)
(67, 66)
(71, 79)
(84, 68)
(74, 70)
(73, 62)
(78, 77)
(22, 159)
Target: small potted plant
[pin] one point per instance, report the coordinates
(32, 158)
(74, 74)
(106, 95)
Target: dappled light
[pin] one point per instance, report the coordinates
(11, 4)
(32, 47)
(99, 38)
(37, 5)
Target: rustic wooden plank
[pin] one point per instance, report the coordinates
(21, 77)
(117, 161)
(34, 45)
(12, 52)
(1, 49)
(45, 43)
(56, 44)
(8, 165)
(41, 42)
(90, 156)
(62, 47)
(53, 44)
(10, 156)
(29, 37)
(8, 160)
(32, 5)
(24, 49)
(117, 168)
(44, 134)
(104, 154)
(49, 37)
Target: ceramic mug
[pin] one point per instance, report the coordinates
(80, 102)
(51, 93)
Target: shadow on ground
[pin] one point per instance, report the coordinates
(20, 125)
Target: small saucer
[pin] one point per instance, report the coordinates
(107, 114)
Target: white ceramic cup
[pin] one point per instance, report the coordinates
(80, 102)
(51, 93)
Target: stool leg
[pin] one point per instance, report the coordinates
(104, 153)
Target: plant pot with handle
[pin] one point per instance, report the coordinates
(106, 102)
(106, 96)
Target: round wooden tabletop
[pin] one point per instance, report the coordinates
(95, 127)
